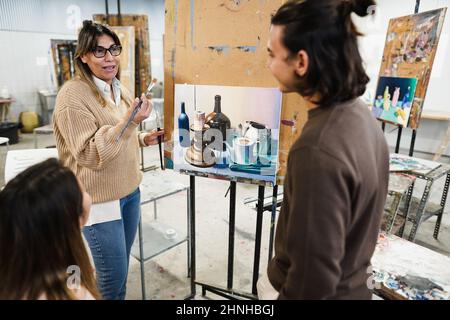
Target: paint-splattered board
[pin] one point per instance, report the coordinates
(142, 45)
(398, 257)
(223, 42)
(409, 51)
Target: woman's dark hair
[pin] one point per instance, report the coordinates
(325, 31)
(40, 235)
(87, 42)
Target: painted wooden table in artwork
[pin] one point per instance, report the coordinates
(406, 271)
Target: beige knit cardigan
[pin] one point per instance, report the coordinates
(86, 134)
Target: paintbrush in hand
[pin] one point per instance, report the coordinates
(136, 110)
(158, 128)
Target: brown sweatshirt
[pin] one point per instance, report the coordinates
(334, 194)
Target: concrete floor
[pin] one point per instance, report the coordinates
(166, 274)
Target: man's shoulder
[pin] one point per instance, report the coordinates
(317, 156)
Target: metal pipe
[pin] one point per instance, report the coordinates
(118, 13)
(413, 142)
(399, 137)
(192, 231)
(259, 221)
(416, 9)
(107, 11)
(272, 220)
(231, 229)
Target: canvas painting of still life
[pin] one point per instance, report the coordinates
(393, 100)
(227, 132)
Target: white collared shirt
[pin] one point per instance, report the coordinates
(105, 89)
(110, 210)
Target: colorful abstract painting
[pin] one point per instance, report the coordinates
(409, 51)
(393, 99)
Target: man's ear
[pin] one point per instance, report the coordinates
(301, 63)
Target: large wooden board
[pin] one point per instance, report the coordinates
(223, 42)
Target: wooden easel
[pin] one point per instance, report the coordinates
(406, 68)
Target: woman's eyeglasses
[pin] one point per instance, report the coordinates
(100, 51)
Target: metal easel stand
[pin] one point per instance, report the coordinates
(399, 137)
(229, 292)
(399, 134)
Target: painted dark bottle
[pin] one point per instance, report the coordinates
(218, 120)
(183, 127)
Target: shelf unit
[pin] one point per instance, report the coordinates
(155, 186)
(418, 210)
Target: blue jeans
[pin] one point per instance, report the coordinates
(110, 244)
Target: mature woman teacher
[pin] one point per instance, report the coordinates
(90, 112)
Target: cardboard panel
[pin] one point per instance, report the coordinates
(224, 43)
